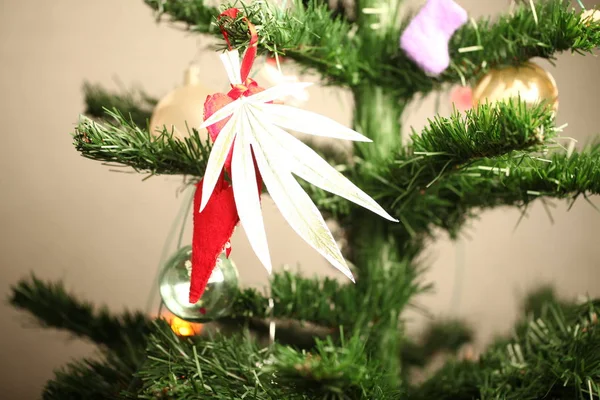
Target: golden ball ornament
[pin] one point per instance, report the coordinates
(183, 108)
(529, 81)
(589, 16)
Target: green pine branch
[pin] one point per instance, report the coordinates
(454, 166)
(119, 141)
(122, 339)
(445, 335)
(341, 370)
(206, 367)
(134, 103)
(309, 33)
(195, 13)
(92, 379)
(486, 131)
(492, 156)
(235, 367)
(326, 302)
(554, 356)
(514, 180)
(310, 36)
(54, 307)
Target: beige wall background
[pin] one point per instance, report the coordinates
(69, 218)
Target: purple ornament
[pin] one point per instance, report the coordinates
(425, 39)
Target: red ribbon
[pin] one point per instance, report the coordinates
(214, 226)
(250, 54)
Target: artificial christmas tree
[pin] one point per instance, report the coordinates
(347, 340)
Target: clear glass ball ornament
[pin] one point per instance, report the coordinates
(216, 301)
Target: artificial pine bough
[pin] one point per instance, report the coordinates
(343, 340)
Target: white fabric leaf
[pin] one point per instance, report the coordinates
(216, 160)
(294, 204)
(278, 92)
(308, 165)
(308, 122)
(231, 61)
(223, 113)
(245, 192)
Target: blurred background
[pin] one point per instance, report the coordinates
(101, 232)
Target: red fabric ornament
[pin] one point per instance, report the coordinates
(214, 226)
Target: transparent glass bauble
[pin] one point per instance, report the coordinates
(216, 301)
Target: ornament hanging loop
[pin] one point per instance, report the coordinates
(250, 54)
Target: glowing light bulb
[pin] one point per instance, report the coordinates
(184, 328)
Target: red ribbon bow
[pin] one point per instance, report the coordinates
(214, 226)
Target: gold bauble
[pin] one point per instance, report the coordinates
(183, 108)
(529, 81)
(590, 16)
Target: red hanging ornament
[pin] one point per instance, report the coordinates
(214, 226)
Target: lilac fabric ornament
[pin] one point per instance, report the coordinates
(426, 38)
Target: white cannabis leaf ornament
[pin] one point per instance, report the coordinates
(255, 128)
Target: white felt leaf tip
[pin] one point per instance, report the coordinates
(303, 121)
(351, 277)
(343, 268)
(268, 267)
